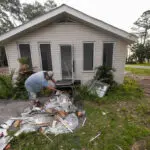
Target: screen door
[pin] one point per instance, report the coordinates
(66, 61)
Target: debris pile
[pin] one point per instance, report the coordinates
(57, 116)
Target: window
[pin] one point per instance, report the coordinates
(45, 50)
(108, 54)
(25, 52)
(88, 56)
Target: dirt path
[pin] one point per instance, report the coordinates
(145, 84)
(12, 108)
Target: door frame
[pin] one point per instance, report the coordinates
(72, 60)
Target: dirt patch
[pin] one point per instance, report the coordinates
(142, 144)
(144, 82)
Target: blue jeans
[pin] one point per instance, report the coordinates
(32, 95)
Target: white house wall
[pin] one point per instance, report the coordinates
(69, 33)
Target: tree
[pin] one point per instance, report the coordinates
(13, 9)
(142, 26)
(49, 4)
(147, 51)
(13, 13)
(31, 11)
(138, 50)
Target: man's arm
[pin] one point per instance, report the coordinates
(53, 81)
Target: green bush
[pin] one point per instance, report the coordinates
(6, 87)
(105, 74)
(23, 60)
(7, 90)
(83, 93)
(20, 90)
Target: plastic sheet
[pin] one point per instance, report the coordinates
(71, 120)
(3, 132)
(61, 102)
(7, 124)
(4, 141)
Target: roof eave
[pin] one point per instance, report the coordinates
(67, 9)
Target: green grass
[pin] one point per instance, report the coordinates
(120, 127)
(138, 71)
(145, 64)
(129, 90)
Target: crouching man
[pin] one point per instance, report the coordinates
(37, 81)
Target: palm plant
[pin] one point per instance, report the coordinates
(105, 74)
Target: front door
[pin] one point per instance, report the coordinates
(66, 61)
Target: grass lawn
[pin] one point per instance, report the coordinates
(122, 117)
(145, 64)
(138, 71)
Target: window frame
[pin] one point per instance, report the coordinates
(114, 47)
(18, 49)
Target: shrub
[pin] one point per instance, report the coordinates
(6, 87)
(24, 72)
(19, 89)
(83, 93)
(23, 60)
(105, 74)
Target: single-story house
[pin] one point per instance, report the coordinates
(68, 42)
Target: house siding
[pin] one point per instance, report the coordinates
(69, 33)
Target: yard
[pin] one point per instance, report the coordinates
(122, 117)
(121, 124)
(138, 64)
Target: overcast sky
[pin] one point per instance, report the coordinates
(120, 13)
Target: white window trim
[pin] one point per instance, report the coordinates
(88, 71)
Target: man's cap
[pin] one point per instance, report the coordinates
(50, 73)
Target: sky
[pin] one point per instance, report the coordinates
(119, 13)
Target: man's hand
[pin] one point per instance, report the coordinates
(60, 91)
(51, 88)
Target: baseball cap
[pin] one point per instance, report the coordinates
(50, 73)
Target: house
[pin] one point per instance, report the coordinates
(68, 42)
